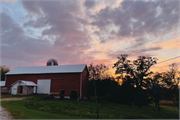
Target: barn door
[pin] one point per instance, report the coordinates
(43, 86)
(20, 89)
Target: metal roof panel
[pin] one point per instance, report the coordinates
(48, 69)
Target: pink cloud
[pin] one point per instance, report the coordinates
(168, 44)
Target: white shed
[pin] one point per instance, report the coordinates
(23, 87)
(3, 88)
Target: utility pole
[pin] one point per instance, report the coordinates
(96, 99)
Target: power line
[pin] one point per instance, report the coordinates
(168, 60)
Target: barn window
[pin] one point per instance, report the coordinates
(74, 94)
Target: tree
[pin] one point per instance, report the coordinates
(4, 70)
(155, 88)
(98, 72)
(128, 96)
(171, 82)
(138, 70)
(106, 89)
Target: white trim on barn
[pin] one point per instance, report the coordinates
(66, 97)
(80, 85)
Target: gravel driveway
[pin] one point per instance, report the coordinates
(4, 114)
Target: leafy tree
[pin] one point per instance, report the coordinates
(4, 70)
(98, 72)
(171, 82)
(128, 96)
(156, 88)
(138, 72)
(171, 77)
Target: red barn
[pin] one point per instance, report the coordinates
(55, 80)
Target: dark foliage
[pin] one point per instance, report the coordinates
(4, 70)
(48, 97)
(138, 70)
(135, 74)
(106, 89)
(98, 72)
(171, 84)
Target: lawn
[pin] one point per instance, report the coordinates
(19, 111)
(62, 109)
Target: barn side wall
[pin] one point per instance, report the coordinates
(59, 82)
(71, 82)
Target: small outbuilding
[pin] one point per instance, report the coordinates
(3, 88)
(21, 87)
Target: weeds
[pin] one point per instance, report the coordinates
(108, 110)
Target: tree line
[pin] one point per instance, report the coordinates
(140, 86)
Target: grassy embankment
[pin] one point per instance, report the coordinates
(19, 111)
(62, 109)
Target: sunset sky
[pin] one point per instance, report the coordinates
(89, 31)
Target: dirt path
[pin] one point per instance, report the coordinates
(4, 114)
(20, 98)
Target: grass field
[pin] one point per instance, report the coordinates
(68, 109)
(19, 111)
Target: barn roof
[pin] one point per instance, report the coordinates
(28, 83)
(48, 69)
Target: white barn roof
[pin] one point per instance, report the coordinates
(28, 83)
(48, 69)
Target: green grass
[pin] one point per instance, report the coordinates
(62, 109)
(19, 111)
